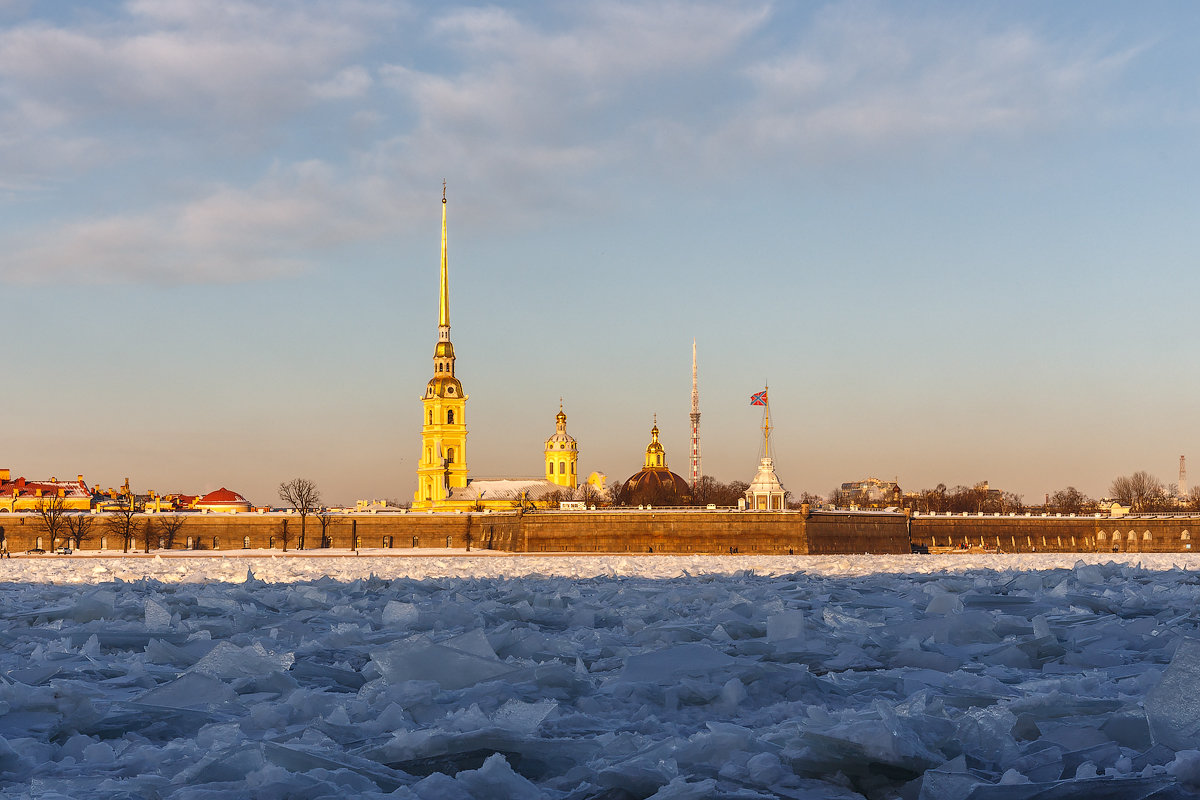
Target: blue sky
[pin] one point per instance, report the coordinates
(958, 240)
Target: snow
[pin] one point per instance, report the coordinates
(455, 675)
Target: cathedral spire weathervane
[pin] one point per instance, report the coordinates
(444, 305)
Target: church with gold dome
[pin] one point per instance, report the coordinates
(655, 483)
(443, 479)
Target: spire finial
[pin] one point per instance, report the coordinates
(444, 302)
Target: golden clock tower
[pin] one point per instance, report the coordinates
(443, 463)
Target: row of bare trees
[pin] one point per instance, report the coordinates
(1140, 491)
(127, 522)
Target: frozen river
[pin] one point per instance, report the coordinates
(606, 677)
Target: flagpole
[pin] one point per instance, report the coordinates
(766, 423)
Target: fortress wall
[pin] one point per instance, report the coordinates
(664, 532)
(262, 531)
(1021, 534)
(844, 532)
(658, 531)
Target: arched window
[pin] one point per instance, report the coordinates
(1185, 536)
(658, 458)
(1132, 536)
(1146, 536)
(1101, 536)
(562, 468)
(450, 417)
(450, 454)
(431, 416)
(572, 467)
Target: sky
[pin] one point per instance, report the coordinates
(957, 241)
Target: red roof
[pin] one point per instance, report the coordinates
(222, 497)
(24, 488)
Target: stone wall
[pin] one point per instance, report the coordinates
(664, 531)
(646, 531)
(840, 532)
(1024, 534)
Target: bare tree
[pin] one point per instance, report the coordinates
(285, 534)
(50, 509)
(149, 532)
(79, 527)
(170, 525)
(327, 519)
(1069, 500)
(302, 495)
(1141, 491)
(123, 521)
(588, 494)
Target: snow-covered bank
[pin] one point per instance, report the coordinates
(938, 677)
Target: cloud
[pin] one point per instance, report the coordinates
(210, 64)
(864, 77)
(349, 82)
(342, 113)
(273, 229)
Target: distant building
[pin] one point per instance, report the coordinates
(654, 483)
(562, 453)
(26, 495)
(765, 492)
(872, 493)
(443, 482)
(222, 501)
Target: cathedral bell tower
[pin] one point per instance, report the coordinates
(443, 462)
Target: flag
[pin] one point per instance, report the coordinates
(759, 398)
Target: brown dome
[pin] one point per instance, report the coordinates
(656, 486)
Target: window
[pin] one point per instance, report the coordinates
(431, 416)
(1132, 536)
(245, 542)
(450, 417)
(416, 542)
(450, 455)
(1185, 536)
(216, 543)
(449, 541)
(449, 390)
(1100, 536)
(1146, 536)
(572, 467)
(562, 468)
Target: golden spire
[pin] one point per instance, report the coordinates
(444, 306)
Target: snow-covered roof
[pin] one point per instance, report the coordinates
(505, 489)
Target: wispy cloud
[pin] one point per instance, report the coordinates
(863, 76)
(257, 134)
